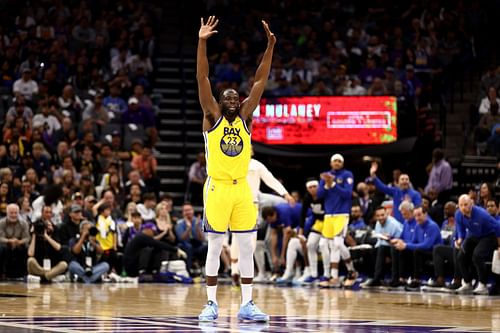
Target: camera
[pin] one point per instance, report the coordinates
(39, 228)
(93, 231)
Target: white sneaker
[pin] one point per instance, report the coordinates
(466, 288)
(298, 273)
(113, 277)
(260, 278)
(481, 289)
(59, 279)
(33, 279)
(304, 277)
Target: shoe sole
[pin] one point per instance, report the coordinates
(205, 320)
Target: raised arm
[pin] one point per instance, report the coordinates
(261, 76)
(207, 101)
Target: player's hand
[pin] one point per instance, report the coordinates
(289, 199)
(271, 38)
(373, 169)
(207, 30)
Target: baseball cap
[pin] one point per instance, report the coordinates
(115, 133)
(76, 208)
(149, 225)
(133, 100)
(77, 195)
(337, 157)
(90, 198)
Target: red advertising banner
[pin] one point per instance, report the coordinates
(326, 120)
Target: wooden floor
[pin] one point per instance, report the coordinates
(75, 308)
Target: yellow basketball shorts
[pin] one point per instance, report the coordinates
(334, 224)
(228, 205)
(317, 226)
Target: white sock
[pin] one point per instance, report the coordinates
(350, 266)
(235, 270)
(212, 293)
(246, 293)
(307, 271)
(334, 272)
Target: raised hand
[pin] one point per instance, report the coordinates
(271, 38)
(373, 169)
(207, 30)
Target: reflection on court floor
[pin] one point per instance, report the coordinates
(223, 324)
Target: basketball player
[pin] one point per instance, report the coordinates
(227, 196)
(335, 188)
(258, 172)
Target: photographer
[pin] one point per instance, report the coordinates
(45, 254)
(85, 249)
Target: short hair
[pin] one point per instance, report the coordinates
(494, 200)
(406, 205)
(102, 208)
(379, 208)
(149, 196)
(268, 211)
(424, 209)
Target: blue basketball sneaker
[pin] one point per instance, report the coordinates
(210, 312)
(250, 311)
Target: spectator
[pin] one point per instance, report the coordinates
(25, 86)
(492, 208)
(140, 116)
(49, 119)
(147, 165)
(132, 230)
(486, 102)
(486, 192)
(85, 247)
(96, 111)
(106, 236)
(489, 80)
(354, 88)
(196, 179)
(70, 228)
(189, 232)
(51, 197)
(441, 175)
(45, 253)
(166, 228)
(14, 239)
(144, 254)
(114, 104)
(146, 209)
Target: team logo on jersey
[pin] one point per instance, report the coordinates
(231, 143)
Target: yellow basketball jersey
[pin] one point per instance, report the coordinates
(227, 149)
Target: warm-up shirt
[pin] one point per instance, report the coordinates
(427, 235)
(288, 216)
(409, 229)
(478, 225)
(398, 195)
(338, 199)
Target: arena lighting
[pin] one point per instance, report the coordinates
(326, 120)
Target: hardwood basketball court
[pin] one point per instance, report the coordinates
(73, 308)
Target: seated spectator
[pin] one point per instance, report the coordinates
(147, 209)
(166, 228)
(71, 103)
(45, 253)
(132, 230)
(353, 87)
(114, 104)
(140, 116)
(14, 240)
(144, 254)
(356, 222)
(387, 228)
(25, 86)
(70, 228)
(48, 118)
(377, 88)
(86, 248)
(427, 235)
(96, 111)
(147, 164)
(196, 179)
(19, 109)
(189, 232)
(144, 100)
(486, 102)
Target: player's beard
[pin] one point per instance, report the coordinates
(230, 114)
